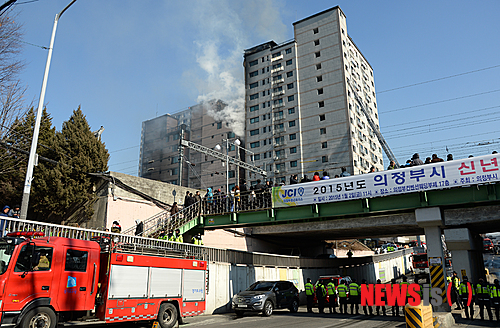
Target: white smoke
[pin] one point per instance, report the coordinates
(226, 29)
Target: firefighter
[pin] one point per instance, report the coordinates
(483, 298)
(495, 298)
(463, 291)
(332, 296)
(395, 308)
(455, 283)
(309, 288)
(321, 296)
(384, 298)
(354, 296)
(342, 291)
(366, 308)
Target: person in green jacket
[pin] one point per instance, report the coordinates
(321, 296)
(342, 292)
(332, 296)
(309, 289)
(495, 298)
(354, 296)
(463, 292)
(178, 236)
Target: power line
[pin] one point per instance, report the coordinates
(438, 79)
(440, 101)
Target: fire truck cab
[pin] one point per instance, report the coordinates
(48, 280)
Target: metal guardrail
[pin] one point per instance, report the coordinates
(144, 244)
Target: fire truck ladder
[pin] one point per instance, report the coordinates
(123, 242)
(218, 155)
(383, 143)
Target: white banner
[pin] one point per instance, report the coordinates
(441, 175)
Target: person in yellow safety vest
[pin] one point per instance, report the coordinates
(342, 292)
(170, 236)
(390, 248)
(177, 237)
(354, 296)
(366, 309)
(455, 282)
(405, 282)
(495, 298)
(196, 239)
(309, 288)
(321, 296)
(332, 296)
(483, 298)
(463, 291)
(395, 309)
(384, 298)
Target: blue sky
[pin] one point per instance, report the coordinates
(127, 61)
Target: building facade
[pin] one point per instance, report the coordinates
(301, 114)
(160, 140)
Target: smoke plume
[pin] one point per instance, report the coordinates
(226, 28)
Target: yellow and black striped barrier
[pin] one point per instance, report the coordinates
(419, 316)
(437, 280)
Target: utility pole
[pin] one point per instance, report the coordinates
(34, 141)
(181, 154)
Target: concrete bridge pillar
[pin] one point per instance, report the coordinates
(430, 219)
(466, 253)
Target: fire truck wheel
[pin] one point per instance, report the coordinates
(167, 317)
(268, 309)
(41, 317)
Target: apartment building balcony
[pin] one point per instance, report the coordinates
(275, 82)
(280, 157)
(276, 70)
(280, 130)
(276, 58)
(278, 105)
(278, 118)
(279, 144)
(279, 93)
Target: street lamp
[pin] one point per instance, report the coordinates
(34, 141)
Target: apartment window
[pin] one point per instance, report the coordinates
(254, 108)
(293, 164)
(278, 89)
(324, 145)
(175, 171)
(219, 125)
(293, 136)
(264, 105)
(322, 131)
(264, 129)
(289, 86)
(265, 155)
(264, 117)
(253, 62)
(277, 77)
(289, 74)
(263, 93)
(231, 174)
(342, 31)
(264, 143)
(230, 135)
(255, 144)
(291, 124)
(316, 30)
(254, 120)
(278, 102)
(317, 54)
(320, 91)
(293, 150)
(318, 79)
(264, 82)
(278, 126)
(264, 69)
(256, 157)
(291, 98)
(278, 65)
(322, 117)
(278, 115)
(316, 42)
(324, 159)
(288, 51)
(289, 62)
(254, 85)
(175, 160)
(276, 54)
(318, 66)
(291, 110)
(254, 96)
(254, 73)
(254, 132)
(321, 104)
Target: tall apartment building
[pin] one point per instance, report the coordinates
(301, 116)
(159, 156)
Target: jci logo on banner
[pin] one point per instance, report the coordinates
(400, 295)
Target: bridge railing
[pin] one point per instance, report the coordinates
(240, 202)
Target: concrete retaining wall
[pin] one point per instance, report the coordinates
(226, 280)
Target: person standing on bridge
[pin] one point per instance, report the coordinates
(309, 288)
(354, 296)
(463, 291)
(495, 298)
(342, 292)
(483, 298)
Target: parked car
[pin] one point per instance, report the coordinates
(325, 280)
(265, 296)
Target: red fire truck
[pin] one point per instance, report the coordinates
(420, 266)
(46, 280)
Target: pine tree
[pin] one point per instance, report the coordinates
(68, 184)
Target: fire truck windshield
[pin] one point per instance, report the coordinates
(6, 251)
